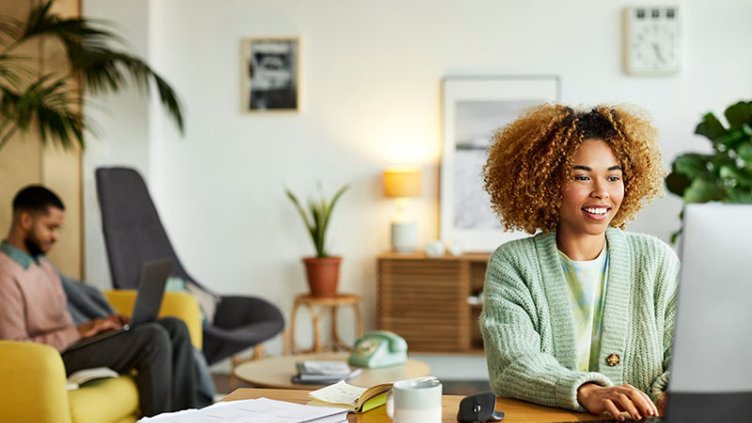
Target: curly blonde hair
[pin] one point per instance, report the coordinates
(531, 159)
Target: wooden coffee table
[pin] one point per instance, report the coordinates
(275, 372)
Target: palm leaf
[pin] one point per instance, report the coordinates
(9, 30)
(12, 69)
(47, 102)
(104, 71)
(91, 59)
(41, 21)
(101, 68)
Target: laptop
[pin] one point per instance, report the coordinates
(711, 370)
(151, 289)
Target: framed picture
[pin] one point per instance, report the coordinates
(270, 74)
(473, 109)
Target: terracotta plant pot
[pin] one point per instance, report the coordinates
(323, 275)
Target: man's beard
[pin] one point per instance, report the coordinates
(33, 247)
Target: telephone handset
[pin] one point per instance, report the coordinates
(379, 348)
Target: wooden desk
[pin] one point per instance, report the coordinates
(516, 411)
(275, 372)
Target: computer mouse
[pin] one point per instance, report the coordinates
(479, 408)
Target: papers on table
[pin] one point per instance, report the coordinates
(255, 410)
(323, 372)
(324, 367)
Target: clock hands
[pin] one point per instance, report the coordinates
(658, 53)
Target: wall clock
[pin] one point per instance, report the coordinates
(652, 40)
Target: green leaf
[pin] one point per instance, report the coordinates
(703, 191)
(710, 127)
(736, 176)
(747, 128)
(739, 114)
(691, 164)
(48, 103)
(745, 153)
(317, 217)
(675, 236)
(299, 208)
(677, 183)
(733, 138)
(740, 197)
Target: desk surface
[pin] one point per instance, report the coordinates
(516, 411)
(275, 372)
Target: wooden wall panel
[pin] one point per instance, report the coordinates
(25, 161)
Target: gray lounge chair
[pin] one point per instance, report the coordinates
(134, 234)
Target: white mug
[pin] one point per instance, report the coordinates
(415, 400)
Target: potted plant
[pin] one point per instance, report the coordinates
(322, 271)
(725, 173)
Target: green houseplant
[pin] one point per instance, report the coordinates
(725, 173)
(49, 101)
(322, 271)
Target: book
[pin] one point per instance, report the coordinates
(353, 398)
(322, 372)
(80, 377)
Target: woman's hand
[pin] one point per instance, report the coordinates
(661, 403)
(615, 400)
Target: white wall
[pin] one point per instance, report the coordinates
(120, 125)
(371, 73)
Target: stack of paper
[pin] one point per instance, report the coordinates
(322, 372)
(255, 410)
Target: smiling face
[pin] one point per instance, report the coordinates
(593, 195)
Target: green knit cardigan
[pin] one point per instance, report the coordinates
(528, 326)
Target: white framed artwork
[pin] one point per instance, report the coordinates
(473, 109)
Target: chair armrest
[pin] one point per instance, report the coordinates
(176, 304)
(33, 384)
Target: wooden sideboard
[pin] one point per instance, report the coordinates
(430, 301)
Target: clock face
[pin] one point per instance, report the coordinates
(652, 40)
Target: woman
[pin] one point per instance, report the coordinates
(580, 315)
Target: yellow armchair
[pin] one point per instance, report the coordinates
(32, 388)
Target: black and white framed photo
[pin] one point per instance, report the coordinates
(473, 109)
(270, 74)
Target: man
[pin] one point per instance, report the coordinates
(88, 303)
(33, 308)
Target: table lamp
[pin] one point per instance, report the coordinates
(403, 182)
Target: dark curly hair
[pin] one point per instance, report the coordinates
(531, 159)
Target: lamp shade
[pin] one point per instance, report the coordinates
(402, 181)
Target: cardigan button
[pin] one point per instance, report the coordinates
(613, 359)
